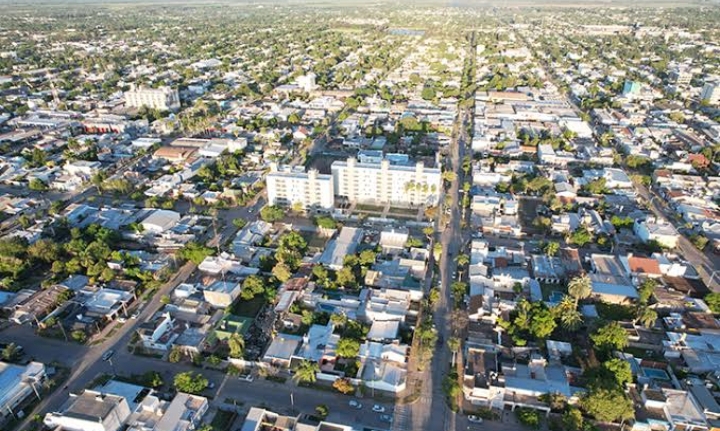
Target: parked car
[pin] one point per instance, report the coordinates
(355, 404)
(121, 320)
(475, 419)
(377, 408)
(386, 418)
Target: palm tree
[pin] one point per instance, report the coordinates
(236, 343)
(306, 371)
(569, 316)
(580, 288)
(453, 344)
(646, 317)
(462, 259)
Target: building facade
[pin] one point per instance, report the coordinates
(711, 94)
(163, 98)
(385, 183)
(289, 187)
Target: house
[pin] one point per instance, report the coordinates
(183, 413)
(697, 351)
(39, 305)
(641, 267)
(666, 409)
(480, 385)
(608, 280)
(651, 229)
(159, 221)
(157, 333)
(174, 154)
(282, 350)
(344, 244)
(393, 240)
(90, 411)
(259, 419)
(221, 294)
(384, 375)
(384, 331)
(17, 384)
(385, 304)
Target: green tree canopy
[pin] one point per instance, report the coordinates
(190, 382)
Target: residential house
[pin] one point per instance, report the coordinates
(158, 332)
(183, 413)
(90, 411)
(18, 383)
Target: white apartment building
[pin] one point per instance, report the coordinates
(382, 183)
(287, 186)
(163, 98)
(711, 94)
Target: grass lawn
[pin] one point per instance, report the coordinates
(223, 420)
(371, 208)
(249, 308)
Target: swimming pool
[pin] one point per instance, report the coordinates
(656, 374)
(556, 296)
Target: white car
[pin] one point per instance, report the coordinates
(475, 419)
(121, 320)
(377, 408)
(355, 404)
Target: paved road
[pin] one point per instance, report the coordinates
(84, 371)
(431, 412)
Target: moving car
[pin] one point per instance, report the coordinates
(386, 418)
(107, 355)
(355, 403)
(377, 408)
(475, 419)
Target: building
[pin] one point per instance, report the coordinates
(385, 183)
(17, 384)
(711, 94)
(221, 294)
(259, 419)
(183, 413)
(651, 230)
(163, 98)
(90, 411)
(344, 245)
(288, 187)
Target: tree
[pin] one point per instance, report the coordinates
(551, 248)
(282, 272)
(348, 348)
(44, 250)
(458, 289)
(325, 222)
(175, 355)
(236, 344)
(699, 241)
(343, 385)
(79, 336)
(581, 236)
(11, 352)
(620, 370)
(646, 290)
(338, 319)
(612, 336)
(190, 382)
(367, 257)
(152, 379)
(713, 301)
(449, 176)
(555, 400)
(194, 252)
(462, 259)
(37, 185)
(345, 277)
(272, 213)
(252, 286)
(607, 405)
(306, 372)
(567, 312)
(322, 411)
(580, 287)
(528, 417)
(646, 316)
(572, 419)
